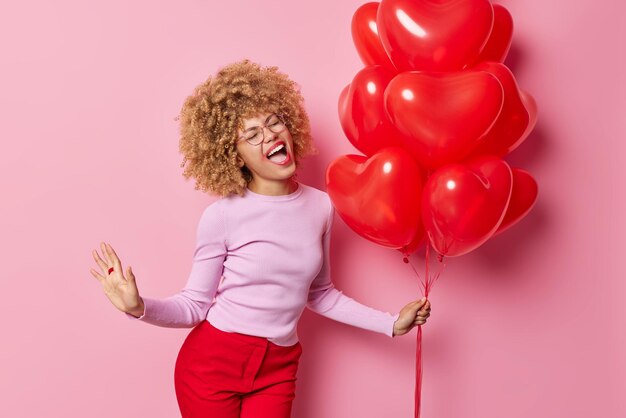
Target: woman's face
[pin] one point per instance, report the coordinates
(282, 165)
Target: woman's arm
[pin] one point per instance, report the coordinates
(189, 307)
(330, 302)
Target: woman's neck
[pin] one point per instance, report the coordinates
(274, 187)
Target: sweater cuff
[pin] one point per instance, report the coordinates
(393, 321)
(146, 303)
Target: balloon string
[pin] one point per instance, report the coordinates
(429, 282)
(418, 372)
(427, 287)
(417, 274)
(442, 266)
(426, 268)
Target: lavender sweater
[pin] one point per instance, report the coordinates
(259, 260)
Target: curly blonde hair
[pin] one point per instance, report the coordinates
(211, 117)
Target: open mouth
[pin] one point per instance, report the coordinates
(278, 155)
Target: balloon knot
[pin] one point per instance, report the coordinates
(405, 259)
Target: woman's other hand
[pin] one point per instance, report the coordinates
(121, 291)
(414, 313)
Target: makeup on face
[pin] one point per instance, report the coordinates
(271, 146)
(278, 153)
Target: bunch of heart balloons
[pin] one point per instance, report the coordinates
(434, 111)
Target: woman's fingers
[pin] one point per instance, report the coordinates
(110, 260)
(103, 265)
(116, 261)
(105, 253)
(423, 313)
(423, 305)
(425, 308)
(96, 275)
(422, 317)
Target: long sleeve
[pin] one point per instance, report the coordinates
(189, 307)
(330, 302)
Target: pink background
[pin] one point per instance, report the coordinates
(530, 324)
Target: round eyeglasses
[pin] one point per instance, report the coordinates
(256, 135)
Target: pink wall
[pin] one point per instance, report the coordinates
(530, 324)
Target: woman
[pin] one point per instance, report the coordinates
(243, 135)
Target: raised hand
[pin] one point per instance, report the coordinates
(414, 313)
(121, 290)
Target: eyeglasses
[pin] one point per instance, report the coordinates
(256, 135)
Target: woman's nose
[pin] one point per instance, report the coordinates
(269, 135)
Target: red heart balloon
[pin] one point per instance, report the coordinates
(432, 35)
(342, 107)
(523, 198)
(362, 111)
(499, 42)
(463, 204)
(378, 197)
(442, 116)
(506, 132)
(531, 106)
(365, 37)
(419, 241)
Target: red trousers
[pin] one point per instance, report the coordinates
(222, 374)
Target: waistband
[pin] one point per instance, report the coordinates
(245, 338)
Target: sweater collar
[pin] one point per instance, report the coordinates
(278, 198)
